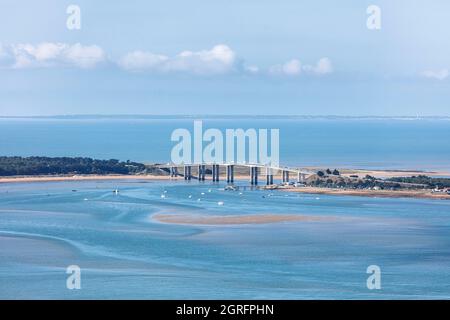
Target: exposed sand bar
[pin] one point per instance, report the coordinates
(426, 194)
(233, 219)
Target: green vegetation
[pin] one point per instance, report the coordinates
(425, 180)
(370, 182)
(328, 172)
(14, 166)
(341, 182)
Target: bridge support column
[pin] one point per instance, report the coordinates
(187, 172)
(215, 172)
(269, 176)
(285, 176)
(230, 173)
(253, 175)
(201, 172)
(300, 177)
(173, 172)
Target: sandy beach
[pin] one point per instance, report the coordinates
(231, 220)
(83, 178)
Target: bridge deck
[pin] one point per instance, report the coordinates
(249, 165)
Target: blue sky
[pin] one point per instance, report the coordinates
(225, 57)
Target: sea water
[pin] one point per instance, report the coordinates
(367, 144)
(124, 252)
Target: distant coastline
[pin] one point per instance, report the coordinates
(224, 116)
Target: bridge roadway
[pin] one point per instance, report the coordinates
(254, 171)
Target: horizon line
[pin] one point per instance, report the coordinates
(218, 116)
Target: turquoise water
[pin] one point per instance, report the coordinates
(124, 253)
(375, 144)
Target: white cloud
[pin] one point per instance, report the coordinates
(290, 68)
(139, 60)
(50, 54)
(84, 56)
(219, 60)
(323, 66)
(436, 74)
(294, 67)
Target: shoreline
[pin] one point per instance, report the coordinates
(416, 194)
(95, 177)
(22, 179)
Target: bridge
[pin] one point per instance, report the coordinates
(255, 170)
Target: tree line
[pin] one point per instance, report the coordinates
(17, 166)
(423, 179)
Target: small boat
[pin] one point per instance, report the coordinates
(116, 191)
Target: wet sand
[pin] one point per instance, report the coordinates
(232, 220)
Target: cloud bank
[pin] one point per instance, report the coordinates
(218, 60)
(48, 54)
(436, 74)
(294, 68)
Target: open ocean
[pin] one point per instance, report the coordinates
(123, 252)
(373, 144)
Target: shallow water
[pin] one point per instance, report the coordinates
(124, 253)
